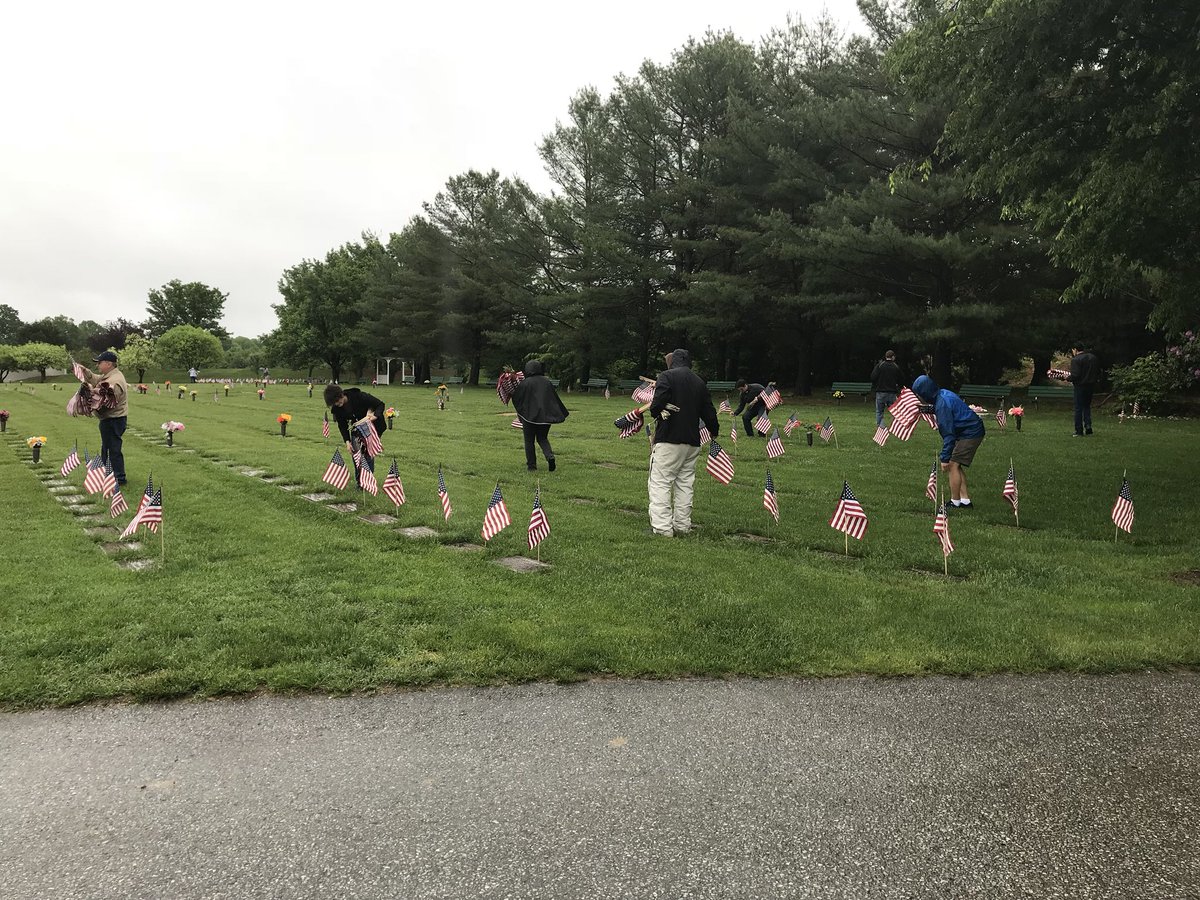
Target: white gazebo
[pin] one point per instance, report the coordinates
(383, 369)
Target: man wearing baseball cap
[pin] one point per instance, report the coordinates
(112, 419)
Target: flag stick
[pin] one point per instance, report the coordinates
(945, 557)
(539, 546)
(1017, 508)
(836, 446)
(846, 546)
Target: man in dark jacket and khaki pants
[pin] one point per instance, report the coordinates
(113, 419)
(681, 401)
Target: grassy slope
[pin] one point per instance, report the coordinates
(264, 589)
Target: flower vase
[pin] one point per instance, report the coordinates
(37, 454)
(389, 424)
(1018, 418)
(3, 425)
(283, 429)
(809, 437)
(170, 439)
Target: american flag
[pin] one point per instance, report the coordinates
(903, 430)
(881, 435)
(496, 518)
(149, 516)
(775, 445)
(705, 434)
(392, 486)
(94, 480)
(607, 396)
(770, 502)
(117, 505)
(770, 397)
(71, 462)
(370, 438)
(719, 465)
(146, 497)
(907, 405)
(1001, 417)
(516, 423)
(357, 456)
(931, 485)
(941, 527)
(325, 426)
(366, 477)
(1122, 513)
(110, 480)
(762, 424)
(1059, 374)
(725, 407)
(827, 430)
(849, 516)
(790, 425)
(733, 433)
(337, 474)
(1010, 488)
(539, 526)
(643, 393)
(506, 384)
(630, 423)
(930, 419)
(444, 496)
(77, 369)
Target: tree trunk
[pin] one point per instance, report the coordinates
(1041, 365)
(940, 368)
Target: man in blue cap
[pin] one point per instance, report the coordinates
(962, 432)
(113, 418)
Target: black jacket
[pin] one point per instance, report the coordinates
(885, 377)
(356, 406)
(535, 399)
(682, 388)
(1085, 368)
(750, 395)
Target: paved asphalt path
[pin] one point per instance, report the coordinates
(1038, 787)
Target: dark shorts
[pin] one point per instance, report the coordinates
(964, 450)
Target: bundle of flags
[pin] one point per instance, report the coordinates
(719, 465)
(630, 423)
(644, 392)
(370, 438)
(507, 383)
(849, 516)
(1058, 374)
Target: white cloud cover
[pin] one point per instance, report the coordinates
(224, 142)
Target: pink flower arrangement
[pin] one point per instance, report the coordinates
(1016, 411)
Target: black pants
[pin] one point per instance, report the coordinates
(1083, 407)
(110, 445)
(540, 433)
(753, 411)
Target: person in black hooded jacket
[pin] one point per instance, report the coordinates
(681, 402)
(538, 406)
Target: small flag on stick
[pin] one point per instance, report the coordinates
(762, 424)
(392, 486)
(643, 393)
(496, 519)
(931, 485)
(1001, 417)
(444, 496)
(719, 465)
(336, 473)
(539, 526)
(827, 430)
(770, 397)
(770, 501)
(117, 505)
(70, 463)
(149, 516)
(941, 527)
(1010, 489)
(705, 434)
(849, 517)
(1122, 513)
(790, 425)
(775, 445)
(325, 426)
(881, 435)
(725, 407)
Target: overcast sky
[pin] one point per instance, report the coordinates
(224, 142)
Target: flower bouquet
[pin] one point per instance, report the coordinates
(170, 428)
(193, 396)
(36, 444)
(141, 389)
(4, 414)
(389, 414)
(261, 393)
(283, 419)
(1017, 412)
(839, 396)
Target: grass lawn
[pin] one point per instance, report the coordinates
(262, 589)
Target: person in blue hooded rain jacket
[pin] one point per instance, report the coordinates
(962, 432)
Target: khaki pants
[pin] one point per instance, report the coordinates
(672, 468)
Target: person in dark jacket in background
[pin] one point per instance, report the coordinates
(348, 406)
(538, 406)
(751, 401)
(681, 402)
(962, 432)
(885, 382)
(1084, 373)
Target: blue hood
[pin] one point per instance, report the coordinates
(925, 388)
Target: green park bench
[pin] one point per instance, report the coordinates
(597, 383)
(454, 379)
(851, 387)
(721, 386)
(984, 391)
(407, 379)
(1060, 391)
(553, 381)
(628, 384)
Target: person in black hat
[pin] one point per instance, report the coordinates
(113, 418)
(538, 405)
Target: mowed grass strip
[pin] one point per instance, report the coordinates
(262, 589)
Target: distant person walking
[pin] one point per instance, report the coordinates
(962, 432)
(114, 418)
(886, 380)
(681, 402)
(1084, 374)
(538, 405)
(192, 373)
